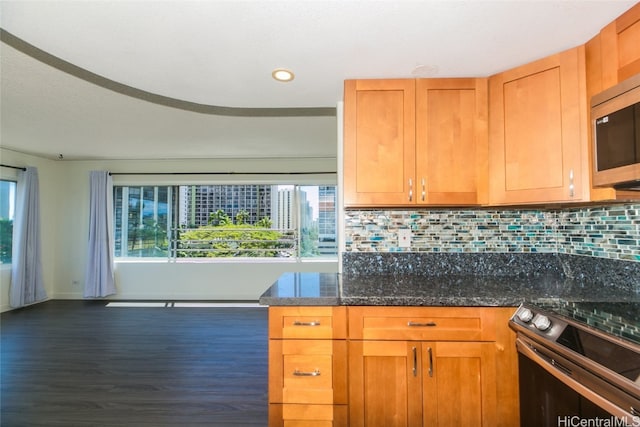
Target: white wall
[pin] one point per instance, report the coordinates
(200, 281)
(64, 189)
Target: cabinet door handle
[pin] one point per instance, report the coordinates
(419, 324)
(430, 361)
(415, 361)
(315, 373)
(313, 323)
(424, 190)
(410, 190)
(571, 185)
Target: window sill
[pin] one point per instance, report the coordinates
(224, 260)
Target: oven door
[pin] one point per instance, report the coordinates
(555, 392)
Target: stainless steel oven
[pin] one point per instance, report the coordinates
(572, 373)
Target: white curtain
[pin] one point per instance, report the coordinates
(99, 278)
(27, 285)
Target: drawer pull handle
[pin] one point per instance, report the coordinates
(418, 324)
(299, 323)
(315, 373)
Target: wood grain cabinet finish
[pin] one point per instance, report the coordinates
(537, 131)
(451, 141)
(618, 49)
(308, 366)
(440, 368)
(413, 383)
(379, 142)
(422, 323)
(308, 322)
(415, 142)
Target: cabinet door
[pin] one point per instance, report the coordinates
(537, 139)
(459, 384)
(379, 142)
(385, 388)
(451, 141)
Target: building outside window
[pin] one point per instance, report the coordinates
(142, 220)
(222, 221)
(7, 211)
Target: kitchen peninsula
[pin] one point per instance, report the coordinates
(402, 337)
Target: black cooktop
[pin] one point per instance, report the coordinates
(620, 319)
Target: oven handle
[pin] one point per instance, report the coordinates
(560, 373)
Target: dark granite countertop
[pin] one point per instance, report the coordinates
(602, 293)
(446, 290)
(297, 289)
(612, 309)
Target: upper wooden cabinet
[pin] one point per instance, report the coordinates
(415, 142)
(451, 141)
(537, 131)
(379, 142)
(618, 47)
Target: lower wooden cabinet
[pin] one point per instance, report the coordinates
(297, 415)
(307, 367)
(393, 366)
(409, 383)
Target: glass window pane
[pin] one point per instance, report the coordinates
(7, 212)
(318, 206)
(233, 221)
(142, 216)
(201, 221)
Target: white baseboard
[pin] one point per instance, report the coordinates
(6, 307)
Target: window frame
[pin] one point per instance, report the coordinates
(297, 181)
(12, 178)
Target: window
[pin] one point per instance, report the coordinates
(7, 210)
(142, 221)
(224, 221)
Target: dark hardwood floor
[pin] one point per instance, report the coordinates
(79, 363)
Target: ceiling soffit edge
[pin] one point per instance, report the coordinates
(86, 75)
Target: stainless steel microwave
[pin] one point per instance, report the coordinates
(615, 116)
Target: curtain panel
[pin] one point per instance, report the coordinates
(99, 277)
(27, 285)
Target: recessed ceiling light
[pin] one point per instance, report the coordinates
(282, 74)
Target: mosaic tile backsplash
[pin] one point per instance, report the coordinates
(606, 231)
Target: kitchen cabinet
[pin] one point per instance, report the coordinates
(413, 366)
(379, 142)
(392, 366)
(538, 131)
(415, 142)
(307, 366)
(408, 383)
(618, 46)
(451, 141)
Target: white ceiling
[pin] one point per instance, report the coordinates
(189, 56)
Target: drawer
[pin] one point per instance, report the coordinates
(308, 371)
(289, 415)
(422, 323)
(308, 322)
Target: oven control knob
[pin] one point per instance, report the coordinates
(525, 315)
(542, 323)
